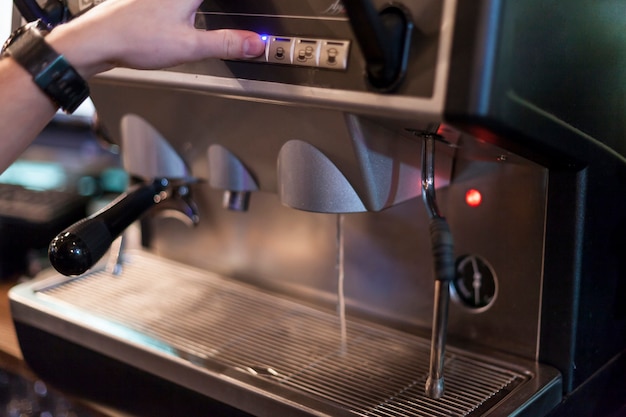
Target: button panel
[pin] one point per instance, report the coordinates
(308, 52)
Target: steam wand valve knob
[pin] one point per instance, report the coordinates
(442, 246)
(384, 38)
(50, 12)
(80, 246)
(53, 12)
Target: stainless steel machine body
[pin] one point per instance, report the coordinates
(315, 297)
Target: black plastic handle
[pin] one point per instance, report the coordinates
(384, 38)
(80, 246)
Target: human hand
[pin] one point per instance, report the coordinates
(146, 34)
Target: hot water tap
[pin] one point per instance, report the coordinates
(385, 38)
(442, 246)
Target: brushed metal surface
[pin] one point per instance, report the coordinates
(387, 256)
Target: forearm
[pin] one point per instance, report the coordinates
(24, 112)
(108, 36)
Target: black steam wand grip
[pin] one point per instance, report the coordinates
(442, 246)
(80, 246)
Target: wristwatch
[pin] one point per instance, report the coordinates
(50, 70)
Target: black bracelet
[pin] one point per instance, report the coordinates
(50, 70)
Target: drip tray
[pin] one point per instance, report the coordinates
(268, 355)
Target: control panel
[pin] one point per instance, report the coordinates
(307, 52)
(313, 43)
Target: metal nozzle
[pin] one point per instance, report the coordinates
(435, 385)
(237, 200)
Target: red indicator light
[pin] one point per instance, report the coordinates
(473, 198)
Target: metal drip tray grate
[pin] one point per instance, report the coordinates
(283, 350)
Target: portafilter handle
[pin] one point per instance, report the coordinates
(80, 246)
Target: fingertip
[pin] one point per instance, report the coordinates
(253, 46)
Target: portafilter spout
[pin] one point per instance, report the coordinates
(443, 257)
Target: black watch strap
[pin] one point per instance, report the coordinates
(50, 70)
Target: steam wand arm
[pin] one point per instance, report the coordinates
(80, 246)
(443, 256)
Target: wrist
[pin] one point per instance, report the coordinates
(70, 43)
(50, 71)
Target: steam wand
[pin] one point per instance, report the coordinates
(443, 256)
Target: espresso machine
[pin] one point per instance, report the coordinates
(400, 209)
